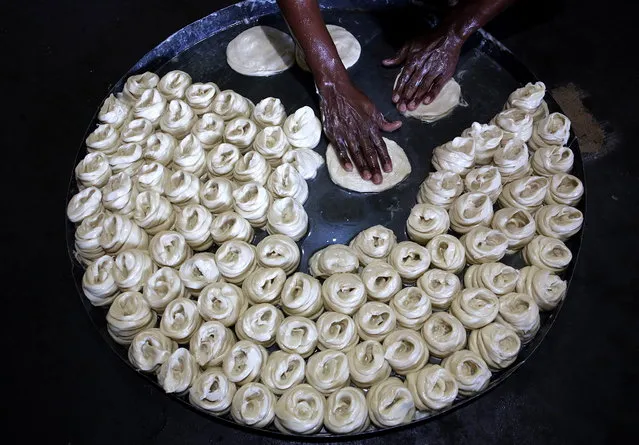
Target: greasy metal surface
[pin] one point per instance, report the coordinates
(487, 73)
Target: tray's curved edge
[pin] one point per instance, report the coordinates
(225, 18)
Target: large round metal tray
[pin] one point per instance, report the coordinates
(487, 72)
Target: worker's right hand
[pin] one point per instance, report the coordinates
(353, 123)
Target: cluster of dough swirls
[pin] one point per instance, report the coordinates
(177, 167)
(169, 172)
(165, 144)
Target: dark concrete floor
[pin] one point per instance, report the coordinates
(64, 386)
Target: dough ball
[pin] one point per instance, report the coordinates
(261, 51)
(353, 181)
(447, 99)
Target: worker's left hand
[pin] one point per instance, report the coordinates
(428, 63)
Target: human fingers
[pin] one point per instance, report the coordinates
(341, 150)
(410, 87)
(435, 89)
(402, 81)
(371, 156)
(358, 157)
(422, 91)
(386, 125)
(382, 151)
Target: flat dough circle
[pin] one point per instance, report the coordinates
(353, 181)
(347, 45)
(447, 99)
(261, 51)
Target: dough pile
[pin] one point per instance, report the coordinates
(487, 138)
(297, 335)
(457, 156)
(164, 173)
(332, 260)
(254, 405)
(173, 155)
(303, 129)
(440, 189)
(530, 98)
(302, 295)
(346, 411)
(181, 177)
(336, 331)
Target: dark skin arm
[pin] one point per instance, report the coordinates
(430, 61)
(351, 121)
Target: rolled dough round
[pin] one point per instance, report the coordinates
(261, 51)
(353, 181)
(347, 46)
(447, 99)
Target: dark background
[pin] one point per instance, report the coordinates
(62, 385)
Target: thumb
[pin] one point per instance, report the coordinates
(399, 57)
(387, 125)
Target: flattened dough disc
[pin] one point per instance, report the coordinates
(447, 99)
(347, 46)
(261, 51)
(353, 181)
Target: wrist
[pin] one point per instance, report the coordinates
(330, 80)
(458, 31)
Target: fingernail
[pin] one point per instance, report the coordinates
(377, 178)
(395, 98)
(402, 107)
(387, 167)
(366, 175)
(427, 100)
(348, 167)
(412, 106)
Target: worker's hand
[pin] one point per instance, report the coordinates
(353, 123)
(428, 63)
